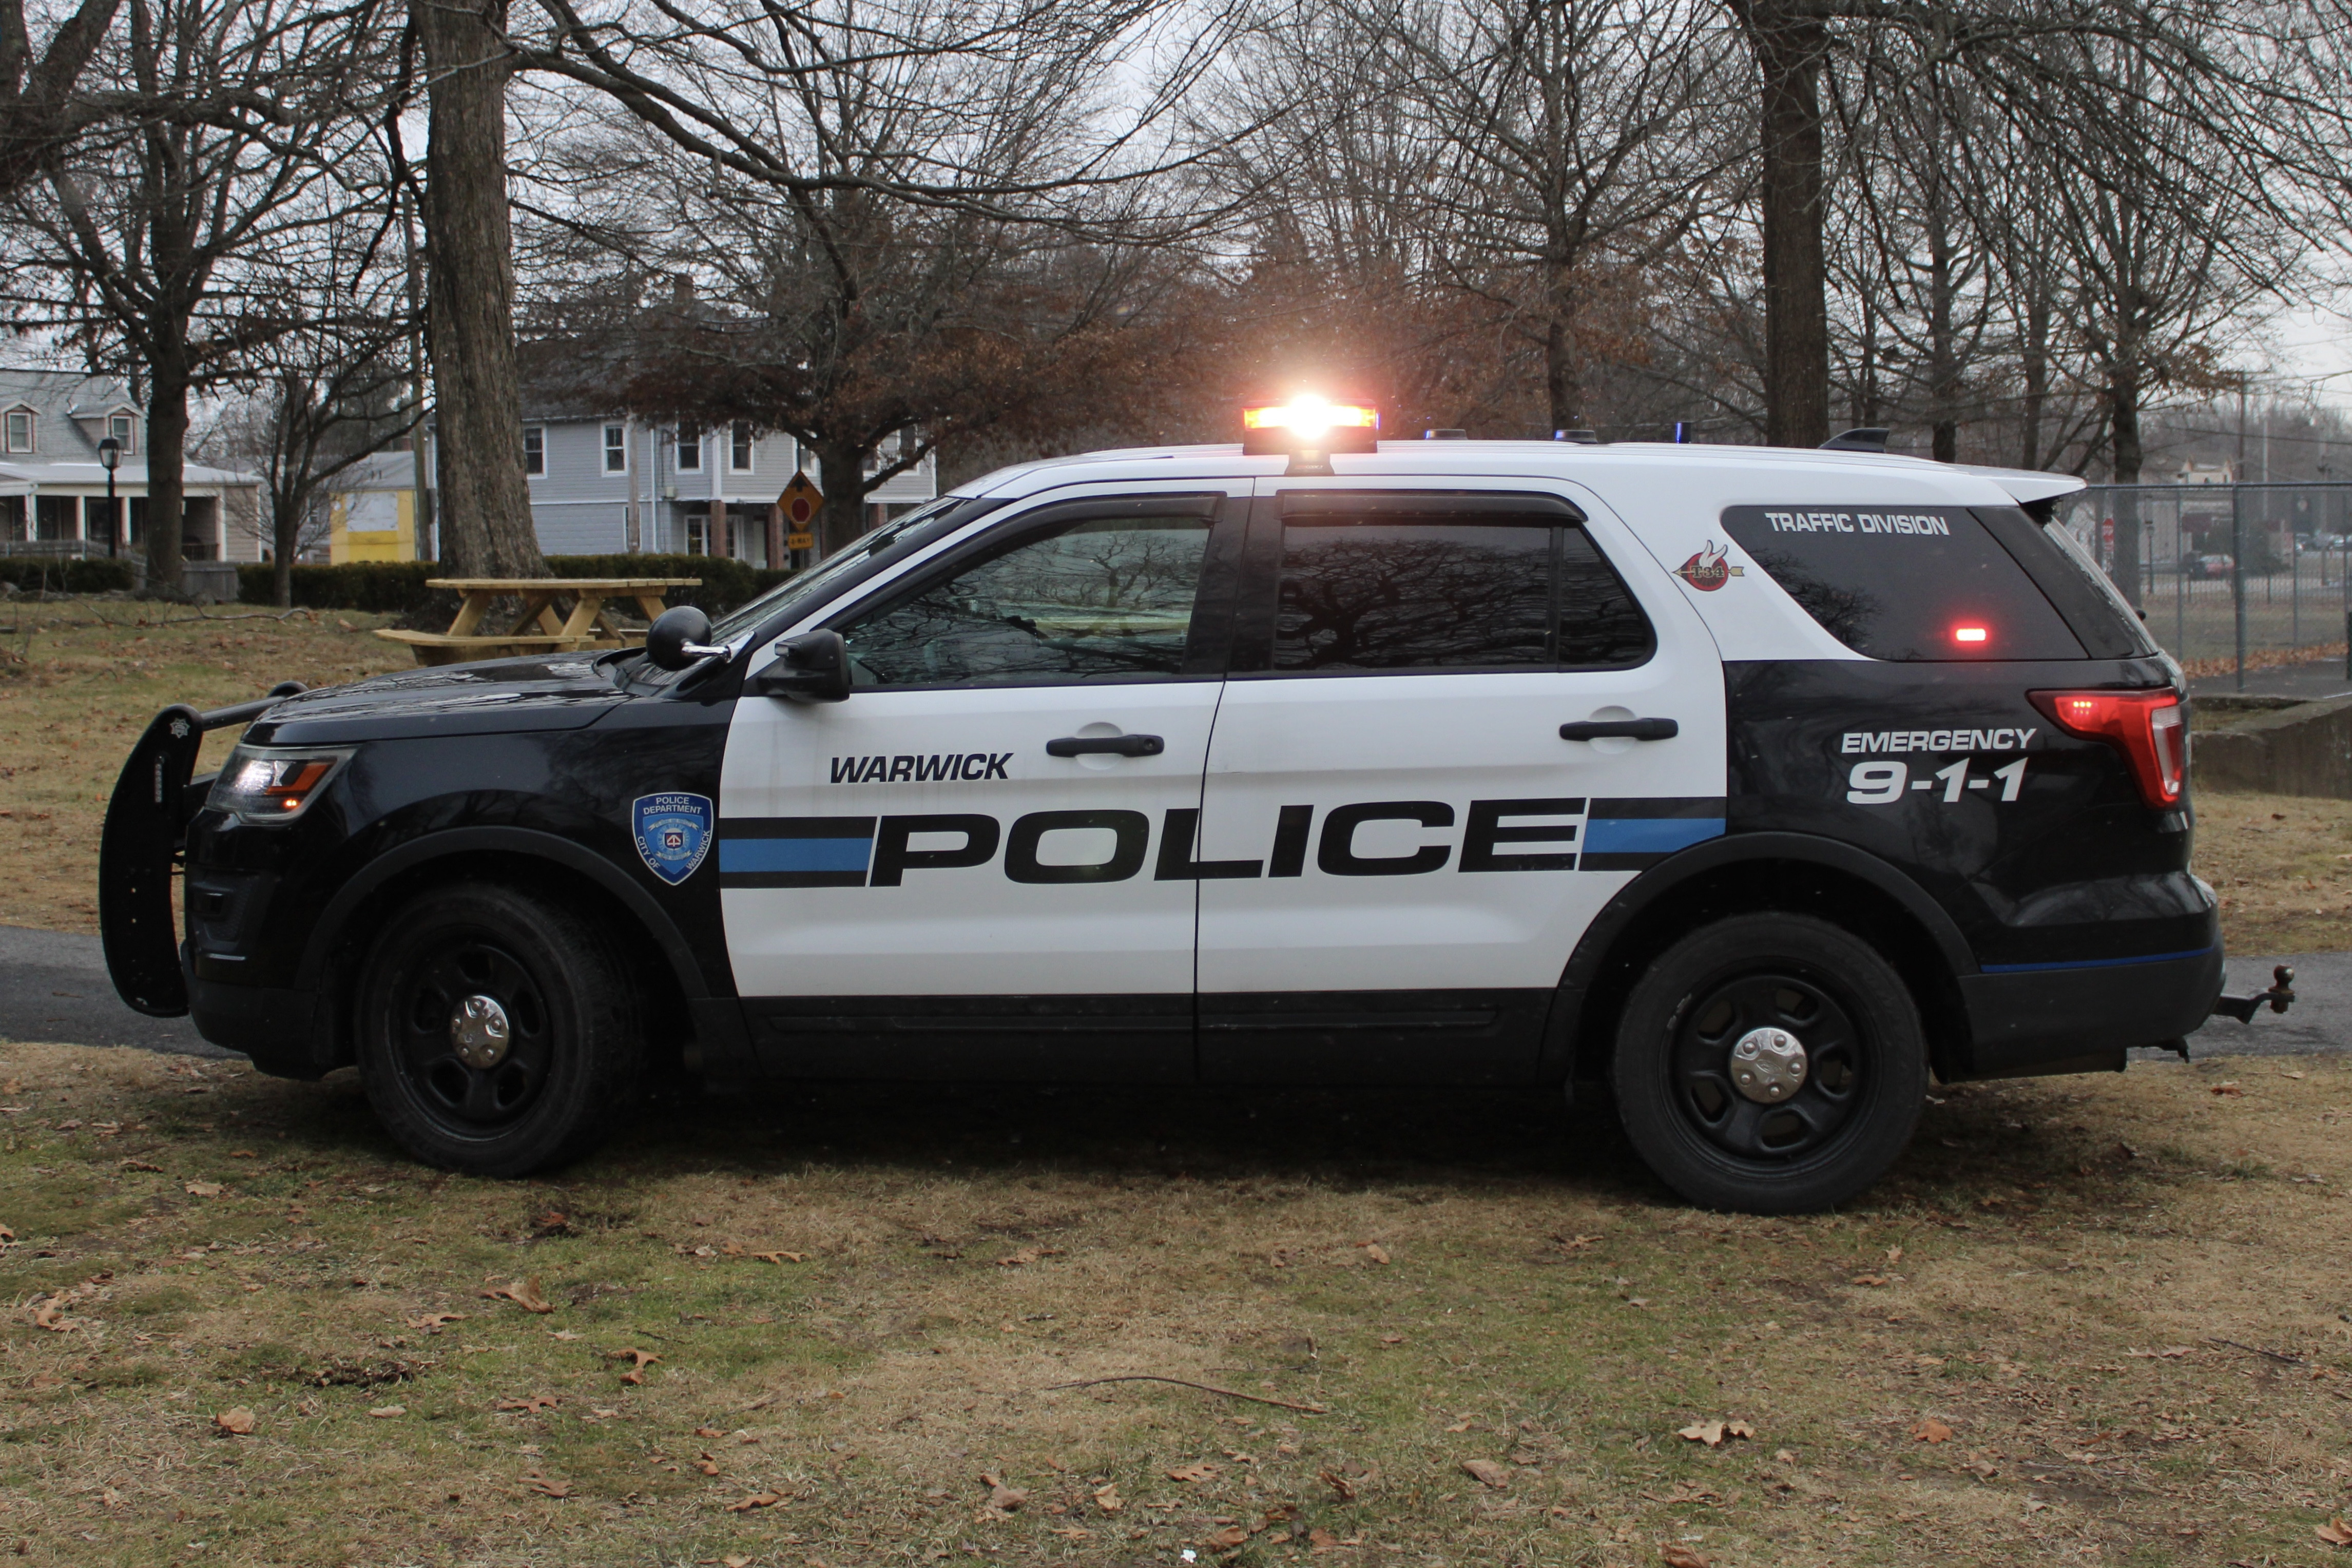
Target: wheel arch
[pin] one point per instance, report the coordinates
(510, 856)
(1741, 873)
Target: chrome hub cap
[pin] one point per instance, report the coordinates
(1767, 1065)
(479, 1032)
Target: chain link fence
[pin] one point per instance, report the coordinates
(2231, 576)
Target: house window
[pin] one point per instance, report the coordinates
(20, 430)
(534, 449)
(120, 426)
(689, 448)
(739, 449)
(616, 449)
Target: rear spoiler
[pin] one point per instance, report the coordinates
(146, 829)
(2028, 486)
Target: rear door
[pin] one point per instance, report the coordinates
(1398, 848)
(954, 872)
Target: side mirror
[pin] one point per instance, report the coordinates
(679, 638)
(812, 668)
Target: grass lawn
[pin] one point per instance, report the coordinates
(2087, 1320)
(2092, 1320)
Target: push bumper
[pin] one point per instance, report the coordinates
(2029, 1020)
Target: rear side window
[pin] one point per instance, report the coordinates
(1477, 590)
(1909, 583)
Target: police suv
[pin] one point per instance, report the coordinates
(1755, 785)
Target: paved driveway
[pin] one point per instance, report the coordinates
(53, 987)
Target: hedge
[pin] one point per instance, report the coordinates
(92, 574)
(397, 587)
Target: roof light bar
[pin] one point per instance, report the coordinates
(1308, 428)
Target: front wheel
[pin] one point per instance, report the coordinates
(1772, 1064)
(497, 1032)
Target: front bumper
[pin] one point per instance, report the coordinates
(2030, 1019)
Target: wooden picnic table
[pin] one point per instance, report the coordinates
(560, 615)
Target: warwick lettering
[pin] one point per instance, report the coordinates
(934, 768)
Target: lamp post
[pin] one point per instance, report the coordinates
(109, 453)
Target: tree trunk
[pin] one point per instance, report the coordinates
(1559, 354)
(1943, 349)
(286, 530)
(485, 497)
(2123, 398)
(2034, 356)
(842, 520)
(167, 455)
(1789, 45)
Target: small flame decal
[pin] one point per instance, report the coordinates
(1706, 570)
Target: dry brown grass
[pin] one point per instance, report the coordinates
(79, 678)
(2282, 866)
(2049, 1273)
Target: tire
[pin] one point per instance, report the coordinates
(571, 1050)
(1826, 1125)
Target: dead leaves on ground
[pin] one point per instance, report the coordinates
(1106, 1497)
(1487, 1473)
(235, 1422)
(204, 1189)
(523, 1293)
(1002, 1501)
(1930, 1430)
(433, 1323)
(1713, 1433)
(1201, 1471)
(545, 1488)
(2336, 1533)
(756, 1499)
(530, 1405)
(638, 1361)
(1675, 1555)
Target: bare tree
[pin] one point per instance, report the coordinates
(40, 110)
(157, 244)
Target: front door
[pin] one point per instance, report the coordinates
(1400, 848)
(958, 871)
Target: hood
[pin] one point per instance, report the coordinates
(560, 691)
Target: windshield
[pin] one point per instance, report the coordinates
(811, 584)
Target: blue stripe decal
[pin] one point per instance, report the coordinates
(749, 856)
(1648, 835)
(2094, 962)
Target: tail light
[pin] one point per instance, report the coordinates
(2145, 726)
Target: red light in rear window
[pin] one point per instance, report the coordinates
(2145, 726)
(1968, 633)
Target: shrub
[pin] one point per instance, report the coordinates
(94, 574)
(397, 587)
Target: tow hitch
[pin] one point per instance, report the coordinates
(146, 827)
(2280, 996)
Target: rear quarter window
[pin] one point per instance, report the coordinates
(1914, 584)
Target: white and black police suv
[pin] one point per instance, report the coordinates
(1756, 785)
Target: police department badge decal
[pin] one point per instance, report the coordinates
(673, 833)
(1706, 570)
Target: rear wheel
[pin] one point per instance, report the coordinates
(497, 1032)
(1770, 1063)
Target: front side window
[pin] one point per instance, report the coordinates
(20, 430)
(1365, 590)
(616, 449)
(739, 448)
(534, 449)
(120, 427)
(1100, 599)
(1911, 583)
(689, 448)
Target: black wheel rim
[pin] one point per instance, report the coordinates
(1718, 1016)
(470, 1100)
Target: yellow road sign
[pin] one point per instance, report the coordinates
(799, 501)
(800, 541)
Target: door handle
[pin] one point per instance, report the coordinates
(1116, 744)
(1622, 729)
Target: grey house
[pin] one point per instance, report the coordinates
(53, 488)
(602, 483)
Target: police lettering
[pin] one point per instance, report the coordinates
(2005, 739)
(932, 769)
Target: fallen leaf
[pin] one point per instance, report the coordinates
(436, 1320)
(2232, 1089)
(236, 1422)
(2336, 1533)
(1074, 1531)
(1461, 1426)
(1340, 1484)
(1198, 1472)
(1870, 1278)
(1737, 1429)
(707, 1464)
(1392, 1339)
(546, 1488)
(243, 1155)
(1322, 1540)
(1225, 1540)
(1486, 1472)
(386, 1412)
(1707, 1432)
(782, 1258)
(708, 1432)
(1005, 1498)
(50, 1315)
(204, 1189)
(137, 1165)
(1576, 1243)
(756, 1499)
(1675, 1555)
(638, 1360)
(1931, 1431)
(1374, 1250)
(1106, 1497)
(531, 1405)
(523, 1293)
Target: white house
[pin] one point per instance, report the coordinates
(53, 486)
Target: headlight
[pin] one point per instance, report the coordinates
(270, 786)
